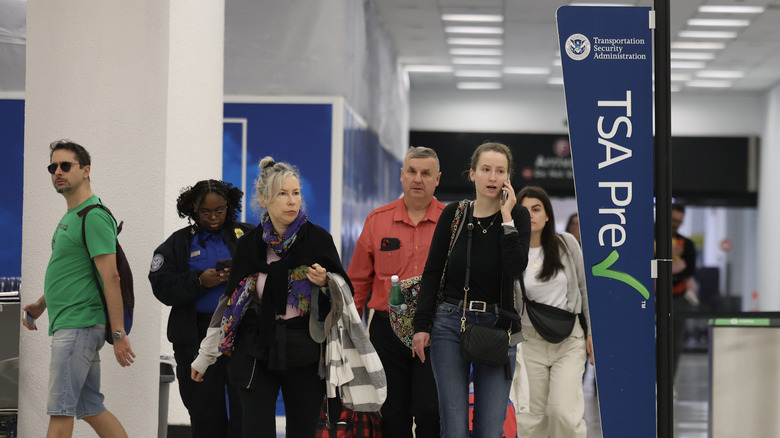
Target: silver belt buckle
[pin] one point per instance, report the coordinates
(481, 306)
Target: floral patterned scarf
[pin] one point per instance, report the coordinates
(236, 307)
(298, 285)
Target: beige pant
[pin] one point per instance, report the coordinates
(557, 405)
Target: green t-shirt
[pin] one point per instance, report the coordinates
(72, 297)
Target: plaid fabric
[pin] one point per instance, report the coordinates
(349, 424)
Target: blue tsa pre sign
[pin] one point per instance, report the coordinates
(606, 55)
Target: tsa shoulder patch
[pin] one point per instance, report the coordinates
(157, 262)
(239, 232)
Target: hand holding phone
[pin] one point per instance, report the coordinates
(223, 263)
(29, 319)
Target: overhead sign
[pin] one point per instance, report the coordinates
(606, 55)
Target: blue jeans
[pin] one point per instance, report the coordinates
(491, 387)
(74, 372)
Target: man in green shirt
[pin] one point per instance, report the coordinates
(76, 315)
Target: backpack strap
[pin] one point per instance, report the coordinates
(83, 214)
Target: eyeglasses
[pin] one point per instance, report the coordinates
(64, 165)
(205, 214)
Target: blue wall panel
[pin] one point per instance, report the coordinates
(372, 177)
(11, 180)
(296, 133)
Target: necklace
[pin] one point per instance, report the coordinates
(538, 258)
(484, 230)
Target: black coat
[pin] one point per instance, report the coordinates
(175, 285)
(256, 336)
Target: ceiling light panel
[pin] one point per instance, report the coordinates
(718, 22)
(428, 68)
(477, 73)
(478, 85)
(527, 71)
(477, 61)
(687, 64)
(475, 30)
(473, 18)
(475, 41)
(677, 77)
(468, 51)
(707, 34)
(698, 45)
(693, 56)
(721, 74)
(709, 84)
(731, 9)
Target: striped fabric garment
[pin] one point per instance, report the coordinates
(352, 364)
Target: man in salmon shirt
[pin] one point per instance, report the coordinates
(395, 241)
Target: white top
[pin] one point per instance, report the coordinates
(551, 292)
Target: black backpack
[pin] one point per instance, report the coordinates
(122, 267)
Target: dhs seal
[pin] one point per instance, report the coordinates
(157, 262)
(578, 47)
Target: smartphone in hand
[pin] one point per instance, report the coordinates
(223, 263)
(29, 319)
(504, 196)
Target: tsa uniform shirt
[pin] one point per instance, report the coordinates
(205, 249)
(390, 244)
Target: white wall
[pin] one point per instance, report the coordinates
(139, 84)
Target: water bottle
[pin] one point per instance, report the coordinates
(397, 302)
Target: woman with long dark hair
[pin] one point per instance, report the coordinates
(555, 276)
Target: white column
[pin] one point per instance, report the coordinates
(769, 208)
(139, 84)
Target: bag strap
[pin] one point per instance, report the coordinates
(83, 214)
(470, 227)
(581, 316)
(456, 227)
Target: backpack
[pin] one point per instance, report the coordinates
(122, 267)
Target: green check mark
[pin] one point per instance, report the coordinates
(602, 270)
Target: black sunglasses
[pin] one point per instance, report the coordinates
(64, 165)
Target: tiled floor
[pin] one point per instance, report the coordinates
(691, 405)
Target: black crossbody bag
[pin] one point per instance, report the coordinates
(552, 323)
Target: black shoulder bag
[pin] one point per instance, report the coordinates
(552, 323)
(484, 344)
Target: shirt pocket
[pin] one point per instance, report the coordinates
(388, 262)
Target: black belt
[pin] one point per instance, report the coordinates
(482, 306)
(473, 306)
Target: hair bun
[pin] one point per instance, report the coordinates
(266, 163)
